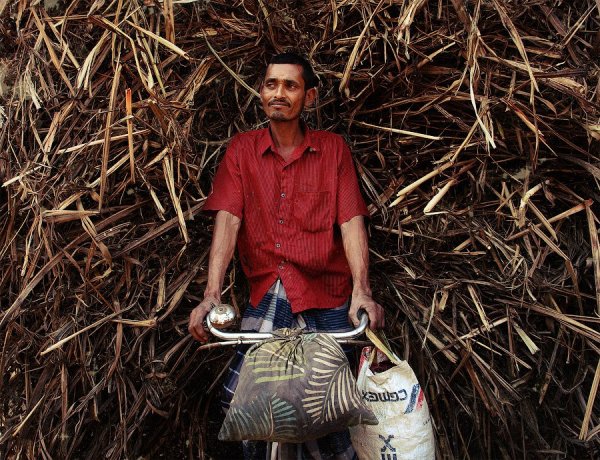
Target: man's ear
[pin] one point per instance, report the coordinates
(310, 98)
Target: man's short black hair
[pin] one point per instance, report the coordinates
(308, 74)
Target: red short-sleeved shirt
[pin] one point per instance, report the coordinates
(291, 212)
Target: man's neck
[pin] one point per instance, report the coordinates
(286, 136)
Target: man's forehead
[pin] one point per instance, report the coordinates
(284, 72)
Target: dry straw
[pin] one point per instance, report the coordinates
(474, 127)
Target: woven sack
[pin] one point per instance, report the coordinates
(404, 431)
(293, 388)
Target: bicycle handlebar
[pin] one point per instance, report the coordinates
(255, 337)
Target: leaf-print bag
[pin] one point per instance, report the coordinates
(404, 431)
(294, 388)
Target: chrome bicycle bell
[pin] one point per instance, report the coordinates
(222, 316)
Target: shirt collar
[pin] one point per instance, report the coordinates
(266, 141)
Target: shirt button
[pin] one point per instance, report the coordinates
(278, 245)
(281, 221)
(283, 195)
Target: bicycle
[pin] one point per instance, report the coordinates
(222, 316)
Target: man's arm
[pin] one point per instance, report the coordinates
(356, 248)
(224, 238)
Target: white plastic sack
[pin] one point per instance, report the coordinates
(404, 431)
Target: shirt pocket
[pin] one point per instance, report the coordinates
(313, 211)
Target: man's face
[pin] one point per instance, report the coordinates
(282, 92)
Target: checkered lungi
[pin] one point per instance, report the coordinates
(274, 312)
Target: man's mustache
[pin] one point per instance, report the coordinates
(279, 101)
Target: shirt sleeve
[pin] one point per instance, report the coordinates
(350, 202)
(227, 191)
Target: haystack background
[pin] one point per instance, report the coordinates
(478, 121)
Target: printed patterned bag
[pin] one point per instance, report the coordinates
(404, 431)
(293, 388)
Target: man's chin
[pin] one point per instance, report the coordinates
(278, 116)
(281, 117)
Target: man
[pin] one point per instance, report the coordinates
(289, 198)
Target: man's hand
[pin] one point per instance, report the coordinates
(196, 325)
(356, 247)
(374, 310)
(221, 250)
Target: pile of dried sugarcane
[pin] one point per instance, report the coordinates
(475, 127)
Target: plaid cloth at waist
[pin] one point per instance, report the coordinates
(274, 312)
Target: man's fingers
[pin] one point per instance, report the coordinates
(198, 333)
(196, 326)
(375, 313)
(364, 310)
(372, 318)
(376, 316)
(192, 326)
(354, 316)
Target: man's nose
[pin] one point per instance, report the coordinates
(279, 91)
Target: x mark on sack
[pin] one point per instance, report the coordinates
(387, 444)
